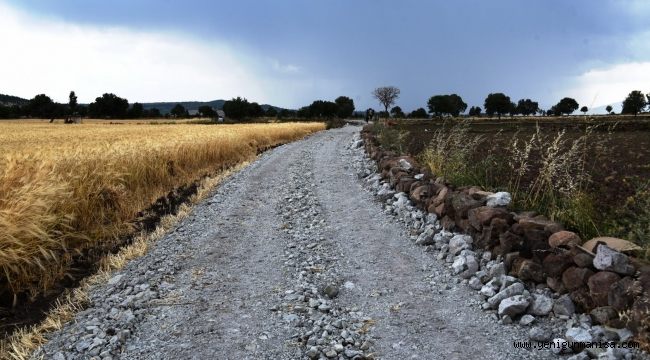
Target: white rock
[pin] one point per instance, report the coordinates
(405, 164)
(510, 291)
(560, 346)
(419, 176)
(475, 283)
(513, 306)
(578, 334)
(539, 334)
(459, 243)
(541, 305)
(526, 320)
(501, 198)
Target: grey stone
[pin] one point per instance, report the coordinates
(459, 243)
(564, 306)
(331, 291)
(475, 283)
(513, 306)
(539, 334)
(115, 279)
(526, 320)
(608, 259)
(501, 198)
(541, 305)
(510, 291)
(578, 334)
(426, 237)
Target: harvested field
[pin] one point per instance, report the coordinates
(76, 190)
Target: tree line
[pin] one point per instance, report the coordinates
(497, 104)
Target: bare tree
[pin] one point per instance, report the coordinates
(386, 96)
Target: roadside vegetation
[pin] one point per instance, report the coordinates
(68, 191)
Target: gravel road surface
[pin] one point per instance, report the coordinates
(291, 258)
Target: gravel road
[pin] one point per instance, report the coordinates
(289, 259)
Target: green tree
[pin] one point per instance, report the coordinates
(527, 107)
(634, 103)
(152, 113)
(584, 110)
(397, 112)
(345, 105)
(136, 111)
(109, 106)
(609, 109)
(567, 106)
(418, 113)
(237, 108)
(41, 106)
(475, 111)
(497, 103)
(178, 111)
(207, 111)
(72, 102)
(386, 95)
(323, 109)
(271, 112)
(255, 110)
(446, 105)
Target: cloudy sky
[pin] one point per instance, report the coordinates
(291, 52)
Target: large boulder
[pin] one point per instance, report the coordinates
(421, 194)
(603, 315)
(509, 242)
(458, 205)
(599, 286)
(564, 306)
(622, 293)
(564, 238)
(609, 259)
(575, 277)
(614, 243)
(527, 269)
(489, 237)
(483, 215)
(555, 264)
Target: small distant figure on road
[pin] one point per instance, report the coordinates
(370, 114)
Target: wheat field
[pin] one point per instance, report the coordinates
(65, 189)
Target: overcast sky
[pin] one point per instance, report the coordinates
(291, 52)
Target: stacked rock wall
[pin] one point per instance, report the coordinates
(598, 276)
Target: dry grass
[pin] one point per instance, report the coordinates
(66, 189)
(22, 344)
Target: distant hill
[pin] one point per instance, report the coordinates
(166, 107)
(9, 100)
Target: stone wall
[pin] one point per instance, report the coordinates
(599, 276)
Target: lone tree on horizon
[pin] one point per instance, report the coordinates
(609, 109)
(584, 110)
(387, 95)
(634, 103)
(72, 103)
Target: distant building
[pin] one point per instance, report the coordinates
(193, 113)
